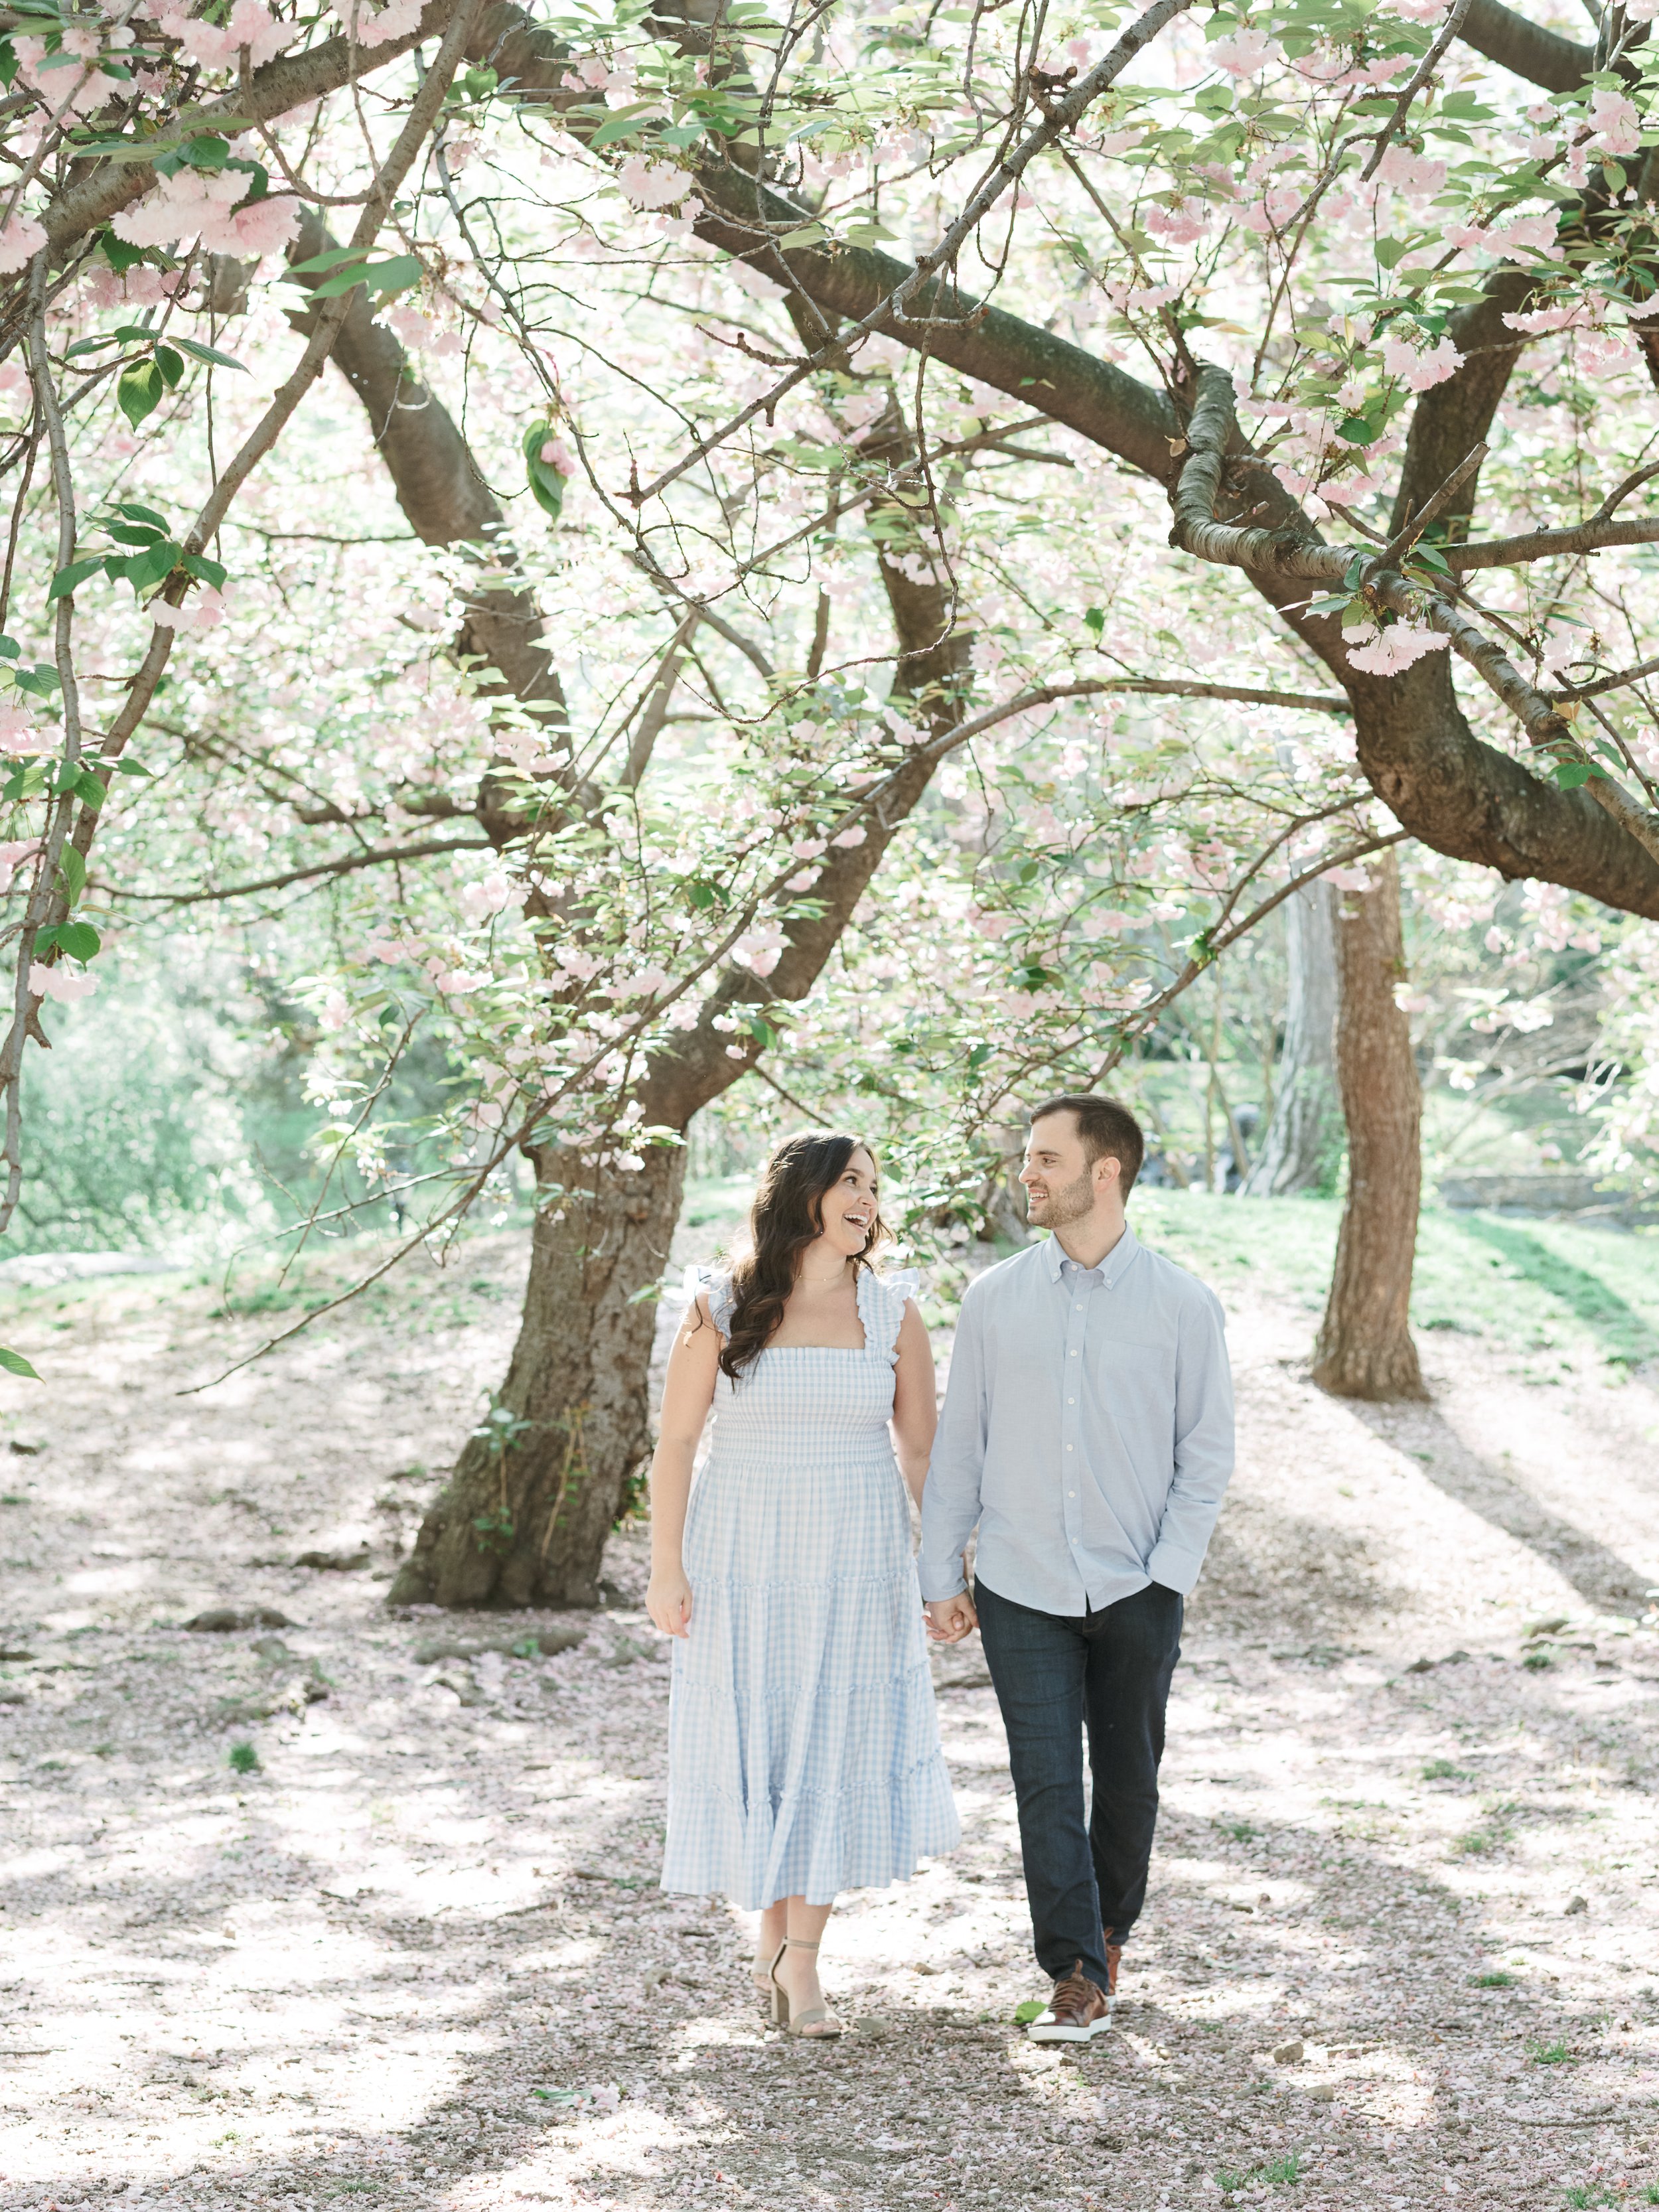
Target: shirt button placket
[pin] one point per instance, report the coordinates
(1069, 1424)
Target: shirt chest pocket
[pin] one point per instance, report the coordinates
(1133, 1373)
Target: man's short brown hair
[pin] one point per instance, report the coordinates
(1104, 1126)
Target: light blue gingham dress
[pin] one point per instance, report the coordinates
(803, 1747)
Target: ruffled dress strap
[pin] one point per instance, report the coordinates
(715, 1283)
(881, 1306)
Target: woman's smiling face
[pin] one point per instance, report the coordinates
(846, 1211)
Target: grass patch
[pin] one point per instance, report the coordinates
(1443, 1770)
(1555, 1284)
(1623, 1335)
(1549, 2054)
(1240, 1831)
(1277, 2175)
(1536, 1661)
(243, 1759)
(1499, 1980)
(1481, 1843)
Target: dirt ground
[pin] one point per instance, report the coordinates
(1401, 1943)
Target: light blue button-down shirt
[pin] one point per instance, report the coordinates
(1087, 1430)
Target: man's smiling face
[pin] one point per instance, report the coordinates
(1060, 1183)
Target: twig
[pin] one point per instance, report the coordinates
(372, 859)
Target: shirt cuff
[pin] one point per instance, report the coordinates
(1175, 1567)
(940, 1583)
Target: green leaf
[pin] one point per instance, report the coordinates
(78, 938)
(648, 1297)
(73, 869)
(8, 71)
(1357, 431)
(71, 579)
(171, 365)
(135, 513)
(14, 1362)
(1094, 618)
(124, 767)
(383, 277)
(207, 152)
(1569, 775)
(1033, 2008)
(141, 570)
(140, 390)
(40, 683)
(332, 260)
(624, 122)
(10, 649)
(401, 273)
(89, 791)
(210, 572)
(546, 485)
(120, 256)
(199, 352)
(136, 534)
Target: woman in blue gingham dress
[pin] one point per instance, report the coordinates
(804, 1751)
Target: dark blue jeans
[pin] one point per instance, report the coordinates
(1056, 1675)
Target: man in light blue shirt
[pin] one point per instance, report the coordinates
(1087, 1432)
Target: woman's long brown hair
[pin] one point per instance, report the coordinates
(786, 1216)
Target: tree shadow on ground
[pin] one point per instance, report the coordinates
(1607, 1581)
(1281, 1574)
(1625, 1338)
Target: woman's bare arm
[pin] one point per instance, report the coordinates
(687, 1394)
(915, 1399)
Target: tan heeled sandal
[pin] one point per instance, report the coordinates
(817, 2024)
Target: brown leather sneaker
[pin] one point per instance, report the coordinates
(1077, 2011)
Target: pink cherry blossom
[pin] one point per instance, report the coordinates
(1421, 371)
(1243, 53)
(60, 983)
(251, 25)
(12, 856)
(652, 183)
(195, 203)
(395, 21)
(1396, 648)
(1615, 122)
(22, 238)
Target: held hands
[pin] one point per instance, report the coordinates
(668, 1600)
(951, 1619)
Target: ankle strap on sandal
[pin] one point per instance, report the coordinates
(800, 1943)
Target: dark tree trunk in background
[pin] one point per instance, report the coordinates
(534, 1494)
(1302, 1141)
(1364, 1348)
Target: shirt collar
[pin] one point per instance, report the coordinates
(1111, 1268)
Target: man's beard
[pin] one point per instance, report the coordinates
(1069, 1203)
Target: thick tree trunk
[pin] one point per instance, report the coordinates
(1364, 1348)
(537, 1490)
(1303, 1137)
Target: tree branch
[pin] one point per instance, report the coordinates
(346, 865)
